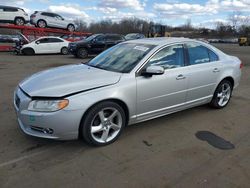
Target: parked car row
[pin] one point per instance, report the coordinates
(40, 19)
(92, 45)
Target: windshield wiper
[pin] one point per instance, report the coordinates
(95, 66)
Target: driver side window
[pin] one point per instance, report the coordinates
(100, 39)
(169, 57)
(44, 40)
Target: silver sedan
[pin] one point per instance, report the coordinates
(129, 83)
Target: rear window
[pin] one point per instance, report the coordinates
(213, 56)
(114, 38)
(199, 54)
(47, 14)
(55, 40)
(10, 9)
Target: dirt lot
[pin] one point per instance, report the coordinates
(160, 153)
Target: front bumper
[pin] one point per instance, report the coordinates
(59, 125)
(72, 49)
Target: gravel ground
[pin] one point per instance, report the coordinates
(159, 153)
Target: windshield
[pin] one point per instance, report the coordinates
(131, 36)
(91, 37)
(121, 58)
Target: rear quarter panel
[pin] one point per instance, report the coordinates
(231, 68)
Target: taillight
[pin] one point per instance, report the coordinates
(33, 16)
(241, 65)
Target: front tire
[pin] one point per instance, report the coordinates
(103, 123)
(28, 51)
(222, 95)
(82, 53)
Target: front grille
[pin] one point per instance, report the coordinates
(17, 101)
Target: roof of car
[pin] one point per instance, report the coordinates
(160, 40)
(3, 6)
(49, 37)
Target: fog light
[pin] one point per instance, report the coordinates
(48, 131)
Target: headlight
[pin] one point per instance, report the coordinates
(47, 105)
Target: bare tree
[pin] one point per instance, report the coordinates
(188, 25)
(81, 25)
(235, 19)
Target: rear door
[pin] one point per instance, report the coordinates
(50, 19)
(112, 40)
(204, 72)
(9, 13)
(55, 45)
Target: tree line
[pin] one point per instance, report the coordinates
(236, 25)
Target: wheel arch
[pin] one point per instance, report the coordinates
(82, 47)
(63, 48)
(118, 101)
(19, 17)
(26, 48)
(228, 78)
(41, 20)
(72, 25)
(16, 17)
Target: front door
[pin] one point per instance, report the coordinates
(160, 94)
(43, 46)
(98, 44)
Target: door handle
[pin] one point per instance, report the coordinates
(216, 70)
(180, 77)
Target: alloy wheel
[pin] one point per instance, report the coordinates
(106, 125)
(71, 28)
(19, 21)
(41, 24)
(224, 94)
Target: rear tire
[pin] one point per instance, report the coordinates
(19, 21)
(41, 24)
(222, 95)
(103, 123)
(64, 51)
(82, 53)
(71, 28)
(28, 51)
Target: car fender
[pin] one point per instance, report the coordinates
(124, 90)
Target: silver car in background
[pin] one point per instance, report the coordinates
(49, 19)
(129, 83)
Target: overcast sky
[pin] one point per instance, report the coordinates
(171, 12)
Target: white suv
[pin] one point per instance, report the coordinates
(48, 19)
(13, 15)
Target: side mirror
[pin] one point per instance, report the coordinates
(37, 42)
(153, 70)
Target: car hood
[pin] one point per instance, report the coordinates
(81, 42)
(67, 80)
